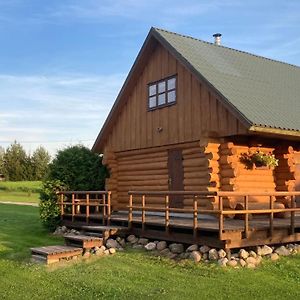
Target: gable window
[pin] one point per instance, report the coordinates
(162, 92)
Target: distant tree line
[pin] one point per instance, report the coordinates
(17, 165)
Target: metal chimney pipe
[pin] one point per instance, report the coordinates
(217, 37)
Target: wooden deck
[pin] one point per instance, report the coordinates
(214, 228)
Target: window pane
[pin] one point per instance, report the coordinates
(152, 89)
(171, 96)
(171, 83)
(152, 102)
(162, 87)
(161, 99)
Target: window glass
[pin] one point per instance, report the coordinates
(152, 89)
(171, 83)
(152, 102)
(171, 96)
(162, 87)
(161, 99)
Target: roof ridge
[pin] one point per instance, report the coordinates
(233, 49)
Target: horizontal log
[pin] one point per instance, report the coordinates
(228, 160)
(154, 155)
(194, 150)
(242, 185)
(285, 175)
(142, 177)
(143, 161)
(158, 182)
(229, 173)
(142, 167)
(202, 175)
(227, 145)
(142, 172)
(229, 152)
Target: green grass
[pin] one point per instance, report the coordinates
(127, 275)
(20, 191)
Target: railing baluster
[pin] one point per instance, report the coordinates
(246, 205)
(108, 207)
(143, 212)
(130, 211)
(271, 216)
(167, 213)
(87, 197)
(221, 218)
(62, 206)
(292, 215)
(104, 209)
(73, 207)
(195, 216)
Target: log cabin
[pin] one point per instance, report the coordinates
(186, 116)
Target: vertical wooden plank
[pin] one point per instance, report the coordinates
(271, 219)
(204, 109)
(104, 208)
(180, 103)
(196, 111)
(167, 213)
(221, 218)
(62, 206)
(143, 212)
(188, 121)
(213, 113)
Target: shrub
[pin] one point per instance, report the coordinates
(49, 210)
(79, 168)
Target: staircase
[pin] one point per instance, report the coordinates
(76, 245)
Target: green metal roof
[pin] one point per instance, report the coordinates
(264, 91)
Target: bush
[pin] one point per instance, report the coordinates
(49, 210)
(79, 168)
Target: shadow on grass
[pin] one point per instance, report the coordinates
(20, 229)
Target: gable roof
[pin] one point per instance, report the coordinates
(263, 93)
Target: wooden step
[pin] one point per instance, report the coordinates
(83, 241)
(106, 231)
(53, 254)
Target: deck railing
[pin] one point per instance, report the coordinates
(78, 203)
(220, 212)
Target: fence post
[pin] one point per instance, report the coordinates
(87, 197)
(73, 207)
(130, 211)
(62, 206)
(104, 208)
(221, 218)
(271, 221)
(292, 215)
(143, 212)
(195, 216)
(108, 207)
(246, 205)
(167, 213)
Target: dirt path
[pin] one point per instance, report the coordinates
(20, 203)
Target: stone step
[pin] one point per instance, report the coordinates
(83, 241)
(53, 254)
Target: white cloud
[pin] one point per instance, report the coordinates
(55, 110)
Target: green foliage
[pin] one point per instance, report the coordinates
(21, 186)
(40, 160)
(79, 168)
(15, 162)
(17, 165)
(259, 159)
(49, 210)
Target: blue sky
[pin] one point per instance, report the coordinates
(62, 62)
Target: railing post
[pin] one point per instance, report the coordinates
(103, 208)
(195, 216)
(221, 218)
(246, 219)
(73, 207)
(271, 221)
(143, 212)
(292, 215)
(108, 207)
(87, 197)
(61, 206)
(130, 211)
(167, 213)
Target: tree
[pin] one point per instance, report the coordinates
(78, 168)
(14, 162)
(40, 161)
(2, 152)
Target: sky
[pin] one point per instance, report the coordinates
(63, 62)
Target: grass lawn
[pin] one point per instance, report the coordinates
(20, 191)
(127, 275)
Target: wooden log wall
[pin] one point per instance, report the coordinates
(285, 172)
(236, 177)
(109, 159)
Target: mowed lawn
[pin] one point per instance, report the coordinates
(20, 191)
(127, 275)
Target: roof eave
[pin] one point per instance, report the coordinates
(278, 132)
